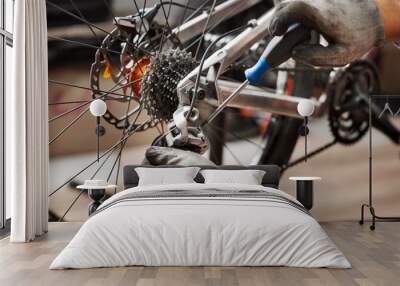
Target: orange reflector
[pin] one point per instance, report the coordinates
(136, 75)
(107, 72)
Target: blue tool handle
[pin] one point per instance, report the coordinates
(278, 51)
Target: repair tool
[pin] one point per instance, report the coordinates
(278, 51)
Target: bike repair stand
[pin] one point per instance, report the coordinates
(375, 217)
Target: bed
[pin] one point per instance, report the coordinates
(201, 224)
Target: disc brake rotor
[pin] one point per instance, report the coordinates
(122, 60)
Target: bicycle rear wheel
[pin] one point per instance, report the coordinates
(123, 49)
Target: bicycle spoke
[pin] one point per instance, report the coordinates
(141, 22)
(199, 38)
(68, 112)
(114, 88)
(117, 175)
(205, 28)
(71, 205)
(116, 145)
(167, 28)
(73, 122)
(127, 84)
(222, 141)
(102, 165)
(68, 102)
(195, 12)
(83, 17)
(102, 92)
(120, 152)
(118, 158)
(91, 24)
(165, 14)
(115, 161)
(237, 136)
(79, 106)
(80, 43)
(83, 190)
(184, 14)
(140, 14)
(76, 17)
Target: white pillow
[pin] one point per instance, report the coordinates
(243, 177)
(166, 176)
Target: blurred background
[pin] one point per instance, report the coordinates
(344, 169)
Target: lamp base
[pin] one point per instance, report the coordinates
(96, 195)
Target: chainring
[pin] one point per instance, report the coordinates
(348, 108)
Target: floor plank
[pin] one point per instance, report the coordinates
(375, 257)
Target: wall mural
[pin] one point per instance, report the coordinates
(133, 60)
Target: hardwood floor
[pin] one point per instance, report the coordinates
(375, 257)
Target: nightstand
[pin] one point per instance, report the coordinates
(304, 190)
(96, 191)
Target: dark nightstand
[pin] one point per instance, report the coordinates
(304, 190)
(96, 191)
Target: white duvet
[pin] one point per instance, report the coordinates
(202, 231)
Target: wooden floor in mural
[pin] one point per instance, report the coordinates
(375, 257)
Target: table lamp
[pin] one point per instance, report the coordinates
(98, 108)
(305, 108)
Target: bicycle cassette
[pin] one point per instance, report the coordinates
(158, 95)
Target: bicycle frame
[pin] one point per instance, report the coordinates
(222, 12)
(262, 99)
(217, 64)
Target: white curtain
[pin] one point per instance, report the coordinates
(27, 124)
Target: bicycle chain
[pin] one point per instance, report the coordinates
(149, 124)
(310, 155)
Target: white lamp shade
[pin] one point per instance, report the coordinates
(305, 108)
(98, 107)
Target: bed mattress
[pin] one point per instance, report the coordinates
(201, 225)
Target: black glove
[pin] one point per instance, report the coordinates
(170, 156)
(352, 28)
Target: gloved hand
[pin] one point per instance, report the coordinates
(171, 156)
(351, 27)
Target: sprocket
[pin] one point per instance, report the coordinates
(348, 110)
(159, 83)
